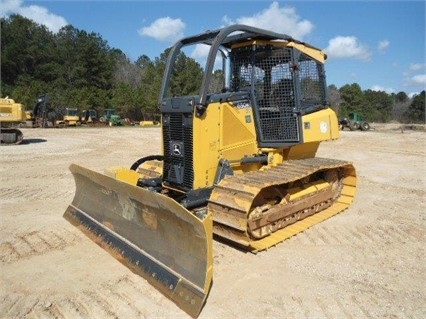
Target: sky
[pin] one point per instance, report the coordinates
(381, 45)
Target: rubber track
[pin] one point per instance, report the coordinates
(234, 195)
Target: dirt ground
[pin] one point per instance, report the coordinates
(367, 262)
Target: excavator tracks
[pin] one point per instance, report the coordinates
(11, 136)
(257, 210)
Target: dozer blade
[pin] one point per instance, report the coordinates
(148, 232)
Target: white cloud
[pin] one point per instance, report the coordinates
(277, 19)
(415, 76)
(383, 45)
(412, 94)
(164, 29)
(414, 67)
(9, 6)
(36, 13)
(342, 47)
(274, 18)
(419, 79)
(379, 88)
(200, 51)
(43, 16)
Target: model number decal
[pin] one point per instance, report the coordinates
(242, 105)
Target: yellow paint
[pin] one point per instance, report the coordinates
(340, 205)
(29, 115)
(71, 120)
(315, 53)
(227, 131)
(310, 188)
(123, 174)
(224, 131)
(317, 127)
(149, 123)
(320, 126)
(208, 225)
(301, 151)
(11, 112)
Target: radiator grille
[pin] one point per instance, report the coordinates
(178, 150)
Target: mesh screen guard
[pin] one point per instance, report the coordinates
(285, 83)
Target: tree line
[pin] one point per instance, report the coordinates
(80, 70)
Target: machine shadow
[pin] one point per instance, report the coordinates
(33, 141)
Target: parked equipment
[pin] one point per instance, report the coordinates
(111, 118)
(29, 119)
(150, 119)
(89, 117)
(239, 163)
(354, 122)
(116, 120)
(44, 114)
(12, 114)
(70, 118)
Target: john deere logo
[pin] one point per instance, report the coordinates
(176, 148)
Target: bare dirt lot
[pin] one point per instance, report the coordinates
(367, 262)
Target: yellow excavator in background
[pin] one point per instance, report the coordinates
(237, 161)
(12, 114)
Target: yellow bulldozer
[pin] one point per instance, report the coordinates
(71, 117)
(12, 114)
(237, 161)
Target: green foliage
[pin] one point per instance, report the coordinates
(377, 106)
(26, 49)
(187, 76)
(401, 97)
(373, 106)
(334, 98)
(352, 99)
(416, 110)
(217, 83)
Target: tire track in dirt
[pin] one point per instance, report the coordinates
(17, 306)
(393, 151)
(358, 236)
(115, 299)
(36, 175)
(349, 306)
(36, 243)
(28, 193)
(123, 299)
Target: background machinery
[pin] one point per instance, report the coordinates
(70, 118)
(238, 162)
(12, 114)
(111, 118)
(150, 119)
(29, 119)
(354, 122)
(89, 117)
(44, 114)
